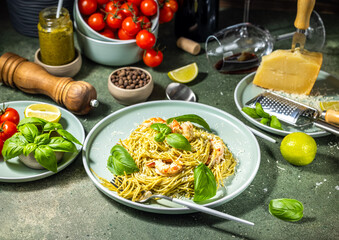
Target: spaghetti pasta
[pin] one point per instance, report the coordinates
(166, 170)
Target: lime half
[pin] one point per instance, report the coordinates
(184, 74)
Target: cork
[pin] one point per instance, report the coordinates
(188, 45)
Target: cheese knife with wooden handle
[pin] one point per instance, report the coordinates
(302, 22)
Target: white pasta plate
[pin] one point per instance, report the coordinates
(118, 125)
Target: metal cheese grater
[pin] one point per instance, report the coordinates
(292, 112)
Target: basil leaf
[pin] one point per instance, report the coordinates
(30, 147)
(161, 127)
(59, 144)
(178, 141)
(260, 111)
(29, 131)
(160, 137)
(192, 118)
(42, 139)
(14, 146)
(205, 185)
(33, 120)
(45, 156)
(52, 126)
(121, 162)
(286, 209)
(163, 131)
(265, 121)
(68, 136)
(275, 123)
(250, 112)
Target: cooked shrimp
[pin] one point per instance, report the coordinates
(187, 128)
(150, 121)
(217, 152)
(175, 126)
(166, 169)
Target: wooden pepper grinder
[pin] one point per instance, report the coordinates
(79, 97)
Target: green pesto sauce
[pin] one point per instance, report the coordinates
(56, 45)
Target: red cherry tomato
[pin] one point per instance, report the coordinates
(108, 33)
(172, 4)
(101, 2)
(145, 39)
(87, 7)
(112, 5)
(148, 7)
(144, 22)
(136, 2)
(123, 35)
(152, 58)
(1, 146)
(7, 129)
(131, 26)
(166, 14)
(9, 114)
(96, 21)
(129, 9)
(114, 19)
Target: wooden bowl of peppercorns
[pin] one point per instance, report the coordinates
(130, 85)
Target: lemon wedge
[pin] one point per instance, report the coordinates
(184, 74)
(45, 111)
(334, 105)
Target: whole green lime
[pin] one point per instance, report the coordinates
(298, 148)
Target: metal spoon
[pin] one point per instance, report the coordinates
(178, 91)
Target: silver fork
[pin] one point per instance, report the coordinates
(148, 196)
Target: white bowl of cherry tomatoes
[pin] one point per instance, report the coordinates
(104, 19)
(120, 32)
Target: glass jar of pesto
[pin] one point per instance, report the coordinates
(56, 37)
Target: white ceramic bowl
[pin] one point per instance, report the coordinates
(120, 53)
(66, 70)
(89, 32)
(130, 96)
(31, 162)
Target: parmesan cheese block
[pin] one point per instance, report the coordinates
(291, 72)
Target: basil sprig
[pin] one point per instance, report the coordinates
(192, 118)
(175, 140)
(286, 209)
(163, 130)
(266, 119)
(34, 136)
(121, 162)
(205, 186)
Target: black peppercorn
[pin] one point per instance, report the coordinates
(129, 78)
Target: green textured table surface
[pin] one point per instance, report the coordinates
(68, 206)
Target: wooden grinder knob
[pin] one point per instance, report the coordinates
(77, 96)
